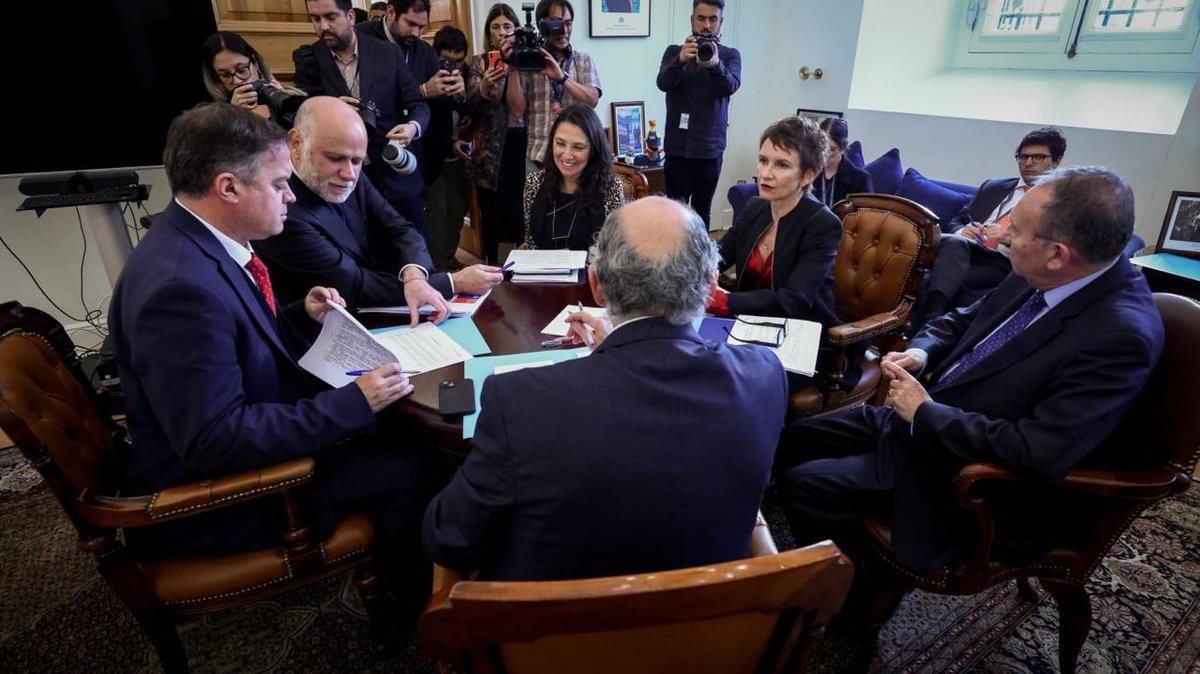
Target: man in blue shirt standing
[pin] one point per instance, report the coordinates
(698, 77)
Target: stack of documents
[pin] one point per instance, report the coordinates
(462, 304)
(546, 266)
(345, 346)
(794, 341)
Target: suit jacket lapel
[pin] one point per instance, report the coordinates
(1044, 328)
(335, 83)
(235, 276)
(366, 68)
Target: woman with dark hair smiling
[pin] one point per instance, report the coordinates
(839, 177)
(566, 202)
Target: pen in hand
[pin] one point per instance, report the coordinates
(359, 373)
(507, 265)
(590, 340)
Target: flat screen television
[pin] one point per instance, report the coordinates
(94, 85)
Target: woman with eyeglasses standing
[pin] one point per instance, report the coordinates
(231, 67)
(839, 177)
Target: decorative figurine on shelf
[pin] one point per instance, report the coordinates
(653, 145)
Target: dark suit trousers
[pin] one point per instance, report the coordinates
(961, 274)
(693, 181)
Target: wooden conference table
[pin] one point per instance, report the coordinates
(511, 321)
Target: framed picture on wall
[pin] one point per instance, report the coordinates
(817, 115)
(1181, 226)
(629, 127)
(619, 18)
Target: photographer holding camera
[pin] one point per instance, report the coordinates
(698, 77)
(234, 72)
(565, 75)
(334, 66)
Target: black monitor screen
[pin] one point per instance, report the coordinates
(95, 85)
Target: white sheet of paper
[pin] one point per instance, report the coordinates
(565, 277)
(343, 345)
(525, 261)
(503, 369)
(460, 305)
(423, 348)
(558, 325)
(798, 353)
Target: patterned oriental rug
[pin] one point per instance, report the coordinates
(57, 615)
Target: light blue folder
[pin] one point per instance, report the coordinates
(461, 329)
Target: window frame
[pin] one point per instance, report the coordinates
(1178, 51)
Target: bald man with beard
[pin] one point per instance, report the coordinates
(341, 233)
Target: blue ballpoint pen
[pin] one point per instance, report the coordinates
(507, 266)
(579, 303)
(359, 373)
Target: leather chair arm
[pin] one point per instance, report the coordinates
(1142, 485)
(864, 328)
(198, 497)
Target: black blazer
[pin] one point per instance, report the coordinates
(358, 247)
(650, 454)
(805, 250)
(384, 79)
(849, 179)
(989, 196)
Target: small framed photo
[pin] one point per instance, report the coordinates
(817, 115)
(619, 18)
(1181, 226)
(629, 128)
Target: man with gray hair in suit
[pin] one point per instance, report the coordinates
(651, 453)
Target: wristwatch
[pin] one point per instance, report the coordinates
(563, 81)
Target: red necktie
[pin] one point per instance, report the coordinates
(258, 271)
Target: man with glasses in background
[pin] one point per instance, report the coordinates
(970, 264)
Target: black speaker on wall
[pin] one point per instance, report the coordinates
(94, 85)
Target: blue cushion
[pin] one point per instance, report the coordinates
(944, 202)
(854, 154)
(958, 187)
(739, 194)
(886, 172)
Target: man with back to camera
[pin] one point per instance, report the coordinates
(341, 64)
(1033, 378)
(207, 358)
(340, 232)
(971, 264)
(698, 92)
(569, 75)
(652, 453)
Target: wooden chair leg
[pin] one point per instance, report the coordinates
(366, 583)
(1025, 590)
(130, 586)
(1075, 619)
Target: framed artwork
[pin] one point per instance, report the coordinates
(629, 127)
(1181, 226)
(619, 18)
(817, 115)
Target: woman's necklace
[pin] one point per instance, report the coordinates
(562, 239)
(767, 243)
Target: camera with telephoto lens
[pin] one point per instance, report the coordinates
(528, 41)
(282, 104)
(399, 157)
(706, 47)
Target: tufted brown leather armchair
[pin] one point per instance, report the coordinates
(633, 181)
(1150, 456)
(888, 244)
(48, 409)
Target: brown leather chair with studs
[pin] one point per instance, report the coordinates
(633, 181)
(887, 247)
(1150, 456)
(760, 614)
(49, 411)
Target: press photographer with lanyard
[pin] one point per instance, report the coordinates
(569, 75)
(839, 177)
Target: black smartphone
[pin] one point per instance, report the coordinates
(447, 65)
(456, 396)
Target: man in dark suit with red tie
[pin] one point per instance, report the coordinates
(207, 358)
(1032, 377)
(970, 264)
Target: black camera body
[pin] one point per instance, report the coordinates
(282, 104)
(706, 47)
(529, 41)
